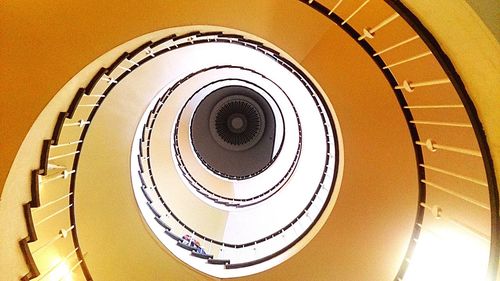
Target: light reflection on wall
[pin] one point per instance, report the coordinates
(448, 254)
(61, 272)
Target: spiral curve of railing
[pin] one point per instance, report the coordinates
(60, 155)
(231, 255)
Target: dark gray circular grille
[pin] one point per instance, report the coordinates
(237, 122)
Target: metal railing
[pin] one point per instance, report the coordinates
(62, 151)
(232, 201)
(60, 154)
(439, 110)
(220, 252)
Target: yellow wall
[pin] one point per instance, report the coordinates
(475, 53)
(38, 59)
(45, 44)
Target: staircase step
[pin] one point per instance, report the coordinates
(175, 237)
(203, 256)
(218, 261)
(187, 247)
(162, 223)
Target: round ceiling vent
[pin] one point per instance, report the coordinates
(233, 127)
(237, 164)
(237, 122)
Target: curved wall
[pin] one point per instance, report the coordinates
(33, 45)
(30, 39)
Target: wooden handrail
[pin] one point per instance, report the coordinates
(28, 258)
(74, 103)
(30, 226)
(58, 127)
(459, 87)
(139, 49)
(90, 86)
(44, 157)
(35, 188)
(400, 7)
(115, 64)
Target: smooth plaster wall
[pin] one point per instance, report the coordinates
(38, 59)
(475, 53)
(44, 44)
(354, 227)
(52, 48)
(28, 36)
(489, 12)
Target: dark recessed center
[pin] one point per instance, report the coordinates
(233, 130)
(237, 122)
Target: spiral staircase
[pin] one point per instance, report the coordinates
(204, 152)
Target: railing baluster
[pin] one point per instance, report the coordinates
(408, 59)
(74, 267)
(53, 215)
(124, 68)
(109, 80)
(479, 182)
(63, 155)
(52, 202)
(150, 52)
(448, 124)
(52, 268)
(132, 62)
(456, 194)
(355, 12)
(54, 167)
(433, 146)
(369, 33)
(88, 105)
(66, 144)
(428, 231)
(63, 233)
(335, 7)
(221, 252)
(430, 83)
(63, 175)
(439, 214)
(80, 124)
(396, 45)
(410, 86)
(434, 106)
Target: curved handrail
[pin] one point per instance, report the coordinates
(145, 138)
(140, 56)
(459, 87)
(346, 27)
(124, 65)
(222, 174)
(242, 202)
(190, 230)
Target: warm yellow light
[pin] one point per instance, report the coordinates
(61, 272)
(448, 254)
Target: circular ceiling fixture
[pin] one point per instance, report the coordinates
(230, 123)
(237, 122)
(237, 161)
